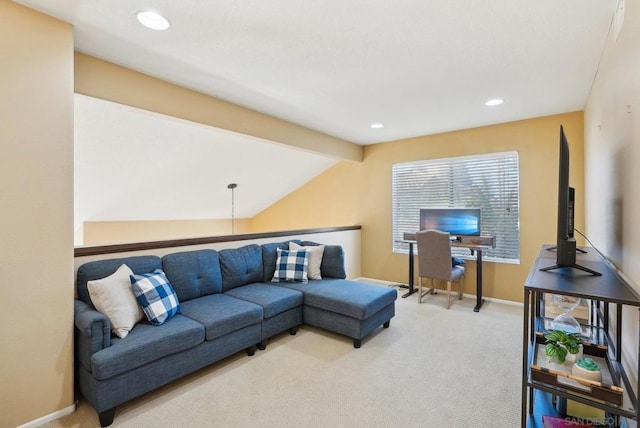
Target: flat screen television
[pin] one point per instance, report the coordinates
(456, 221)
(565, 242)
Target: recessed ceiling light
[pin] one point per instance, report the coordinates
(494, 102)
(153, 20)
(377, 125)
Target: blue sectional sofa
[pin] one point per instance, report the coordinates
(227, 303)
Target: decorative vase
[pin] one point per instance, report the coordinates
(586, 368)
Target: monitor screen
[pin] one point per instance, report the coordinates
(456, 221)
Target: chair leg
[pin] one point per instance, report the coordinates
(430, 288)
(448, 294)
(461, 287)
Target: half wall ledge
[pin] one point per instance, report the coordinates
(138, 246)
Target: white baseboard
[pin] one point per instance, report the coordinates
(504, 302)
(470, 296)
(50, 417)
(375, 281)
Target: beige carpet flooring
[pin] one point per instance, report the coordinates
(432, 368)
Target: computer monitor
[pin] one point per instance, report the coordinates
(456, 221)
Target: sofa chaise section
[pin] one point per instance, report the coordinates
(336, 304)
(347, 307)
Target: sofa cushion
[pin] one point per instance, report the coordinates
(241, 266)
(113, 297)
(291, 266)
(193, 273)
(342, 296)
(221, 314)
(269, 256)
(332, 265)
(273, 299)
(144, 344)
(315, 258)
(102, 268)
(156, 296)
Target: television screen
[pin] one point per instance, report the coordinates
(565, 244)
(456, 221)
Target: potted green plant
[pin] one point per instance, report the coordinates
(560, 344)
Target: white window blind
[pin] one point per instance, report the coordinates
(488, 181)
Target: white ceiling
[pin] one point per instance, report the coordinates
(146, 166)
(417, 66)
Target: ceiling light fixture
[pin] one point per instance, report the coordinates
(232, 187)
(494, 102)
(376, 125)
(153, 20)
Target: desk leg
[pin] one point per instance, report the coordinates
(410, 282)
(479, 300)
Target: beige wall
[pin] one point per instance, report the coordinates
(36, 229)
(612, 140)
(612, 147)
(331, 199)
(120, 232)
(361, 194)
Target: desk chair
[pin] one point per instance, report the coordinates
(435, 263)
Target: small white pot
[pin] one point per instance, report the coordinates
(572, 358)
(594, 375)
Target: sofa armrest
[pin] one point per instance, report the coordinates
(93, 332)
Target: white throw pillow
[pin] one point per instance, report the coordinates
(315, 258)
(113, 297)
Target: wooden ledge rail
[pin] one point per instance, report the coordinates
(137, 246)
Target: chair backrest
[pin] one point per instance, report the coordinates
(434, 254)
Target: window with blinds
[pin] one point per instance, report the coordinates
(488, 182)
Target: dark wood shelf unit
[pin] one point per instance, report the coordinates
(607, 295)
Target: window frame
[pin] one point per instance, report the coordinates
(466, 179)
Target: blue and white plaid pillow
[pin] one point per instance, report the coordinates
(291, 266)
(155, 295)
